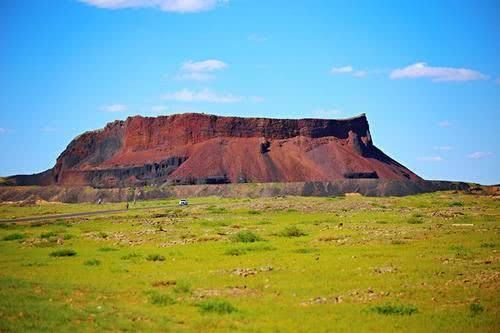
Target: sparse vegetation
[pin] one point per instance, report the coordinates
(389, 309)
(63, 253)
(15, 236)
(291, 231)
(155, 257)
(218, 306)
(245, 237)
(92, 262)
(160, 299)
(225, 270)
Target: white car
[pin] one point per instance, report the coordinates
(183, 202)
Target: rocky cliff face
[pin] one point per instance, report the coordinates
(199, 148)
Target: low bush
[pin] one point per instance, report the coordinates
(108, 249)
(291, 231)
(415, 220)
(155, 257)
(245, 237)
(456, 204)
(63, 253)
(131, 256)
(49, 234)
(15, 236)
(390, 309)
(182, 287)
(475, 309)
(235, 252)
(92, 262)
(160, 299)
(218, 306)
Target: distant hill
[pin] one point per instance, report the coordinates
(206, 149)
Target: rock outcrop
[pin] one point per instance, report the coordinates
(208, 149)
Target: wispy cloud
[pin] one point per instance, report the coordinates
(444, 123)
(479, 154)
(347, 70)
(326, 113)
(3, 130)
(114, 108)
(437, 74)
(204, 95)
(176, 6)
(257, 38)
(430, 158)
(200, 70)
(443, 148)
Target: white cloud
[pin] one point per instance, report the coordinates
(326, 113)
(342, 70)
(176, 6)
(114, 108)
(479, 154)
(3, 130)
(437, 74)
(444, 123)
(204, 95)
(348, 70)
(443, 148)
(257, 38)
(430, 158)
(200, 70)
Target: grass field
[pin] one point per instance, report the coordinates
(421, 263)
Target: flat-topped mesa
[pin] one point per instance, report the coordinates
(194, 128)
(199, 148)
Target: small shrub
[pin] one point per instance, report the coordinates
(389, 309)
(235, 252)
(305, 250)
(397, 242)
(182, 287)
(475, 309)
(63, 253)
(460, 250)
(160, 299)
(131, 256)
(92, 262)
(68, 236)
(415, 220)
(108, 249)
(15, 236)
(456, 204)
(291, 231)
(155, 257)
(245, 237)
(48, 235)
(254, 212)
(102, 234)
(488, 245)
(218, 306)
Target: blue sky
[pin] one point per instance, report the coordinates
(427, 74)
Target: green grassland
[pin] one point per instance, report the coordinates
(420, 263)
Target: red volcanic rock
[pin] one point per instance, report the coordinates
(199, 148)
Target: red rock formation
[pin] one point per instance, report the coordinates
(199, 148)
